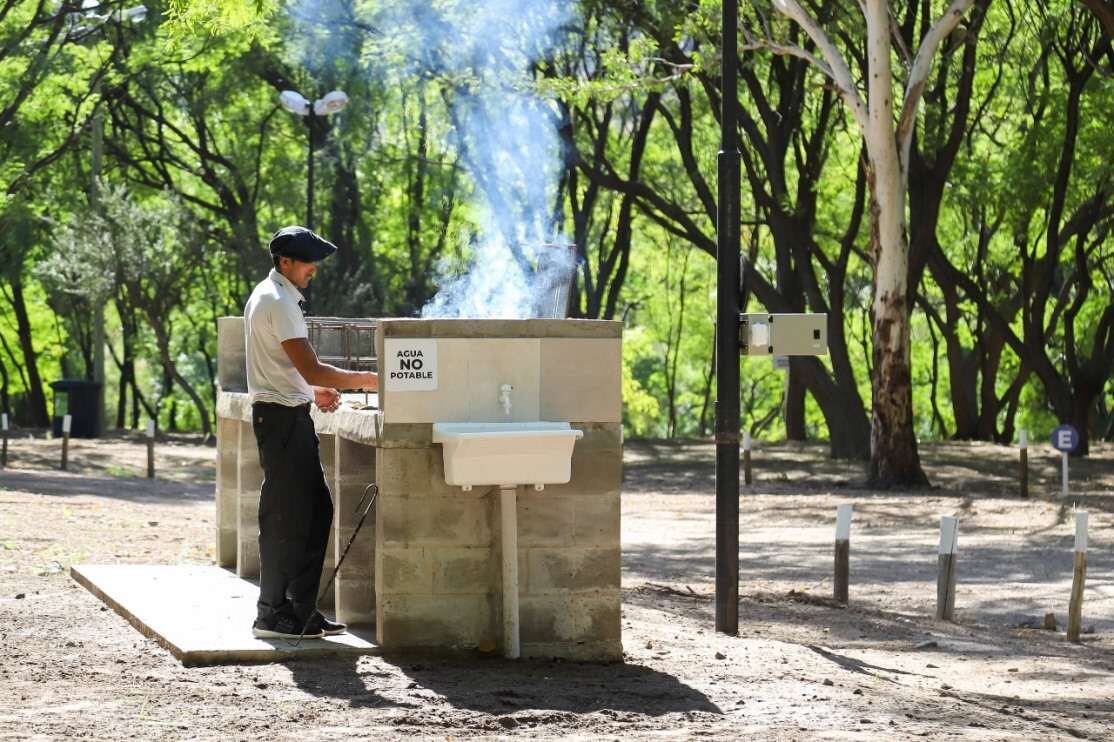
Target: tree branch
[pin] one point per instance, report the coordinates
(837, 67)
(918, 73)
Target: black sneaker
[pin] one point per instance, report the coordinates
(284, 626)
(329, 628)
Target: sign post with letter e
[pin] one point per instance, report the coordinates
(1065, 439)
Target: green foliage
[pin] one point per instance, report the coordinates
(201, 165)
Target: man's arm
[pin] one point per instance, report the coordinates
(316, 373)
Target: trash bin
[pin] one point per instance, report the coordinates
(78, 398)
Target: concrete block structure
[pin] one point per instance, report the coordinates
(425, 569)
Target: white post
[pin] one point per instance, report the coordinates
(1081, 531)
(4, 421)
(67, 424)
(1064, 478)
(842, 573)
(843, 521)
(1079, 576)
(508, 504)
(4, 434)
(150, 449)
(1023, 439)
(1023, 460)
(945, 580)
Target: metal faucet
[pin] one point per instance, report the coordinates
(505, 398)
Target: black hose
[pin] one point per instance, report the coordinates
(374, 490)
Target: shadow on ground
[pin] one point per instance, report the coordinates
(67, 484)
(535, 691)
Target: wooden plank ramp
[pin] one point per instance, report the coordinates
(203, 614)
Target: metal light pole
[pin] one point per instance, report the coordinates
(299, 105)
(727, 339)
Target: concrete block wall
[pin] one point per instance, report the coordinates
(438, 579)
(569, 555)
(326, 446)
(354, 469)
(227, 491)
(249, 477)
(436, 568)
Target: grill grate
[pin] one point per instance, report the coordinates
(343, 342)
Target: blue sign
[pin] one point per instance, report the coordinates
(1065, 439)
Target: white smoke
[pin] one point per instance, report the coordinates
(483, 50)
(509, 138)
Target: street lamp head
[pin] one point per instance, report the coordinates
(134, 14)
(330, 103)
(294, 102)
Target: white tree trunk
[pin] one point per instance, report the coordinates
(894, 457)
(893, 445)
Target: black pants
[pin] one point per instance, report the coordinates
(295, 510)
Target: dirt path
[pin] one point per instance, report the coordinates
(800, 668)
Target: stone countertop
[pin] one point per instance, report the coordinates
(359, 425)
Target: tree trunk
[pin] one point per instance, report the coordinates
(894, 460)
(170, 371)
(5, 400)
(36, 399)
(848, 427)
(795, 407)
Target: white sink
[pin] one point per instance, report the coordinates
(506, 453)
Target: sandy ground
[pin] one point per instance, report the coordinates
(800, 668)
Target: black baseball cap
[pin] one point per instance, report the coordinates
(301, 244)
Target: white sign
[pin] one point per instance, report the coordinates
(410, 364)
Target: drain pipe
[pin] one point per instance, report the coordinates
(508, 507)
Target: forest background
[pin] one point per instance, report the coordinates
(143, 166)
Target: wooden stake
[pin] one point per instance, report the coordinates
(1079, 576)
(945, 580)
(842, 553)
(1024, 454)
(67, 423)
(150, 449)
(4, 431)
(747, 478)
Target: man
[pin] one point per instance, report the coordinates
(284, 378)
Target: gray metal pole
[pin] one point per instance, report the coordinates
(727, 339)
(308, 291)
(309, 185)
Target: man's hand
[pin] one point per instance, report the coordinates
(326, 399)
(369, 381)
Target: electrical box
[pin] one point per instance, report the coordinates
(783, 334)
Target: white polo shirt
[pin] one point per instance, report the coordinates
(271, 316)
